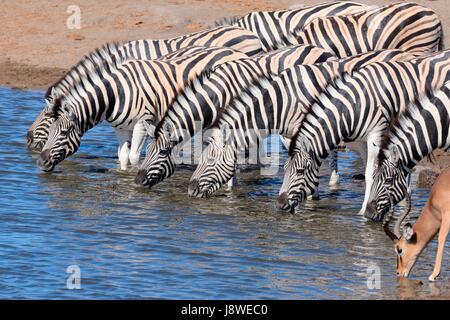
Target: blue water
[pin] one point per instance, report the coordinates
(130, 242)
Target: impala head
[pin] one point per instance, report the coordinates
(405, 243)
(37, 134)
(390, 184)
(63, 140)
(217, 164)
(159, 162)
(301, 175)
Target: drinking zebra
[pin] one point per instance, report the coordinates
(358, 107)
(226, 36)
(281, 27)
(406, 26)
(271, 106)
(413, 135)
(197, 106)
(123, 94)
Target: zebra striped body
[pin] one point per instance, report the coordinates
(405, 26)
(359, 107)
(415, 134)
(275, 28)
(226, 36)
(124, 94)
(197, 106)
(270, 107)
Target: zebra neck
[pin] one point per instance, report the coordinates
(92, 103)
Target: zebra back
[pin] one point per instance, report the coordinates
(406, 26)
(276, 29)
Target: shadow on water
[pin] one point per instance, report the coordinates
(131, 242)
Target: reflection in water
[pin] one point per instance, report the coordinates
(132, 242)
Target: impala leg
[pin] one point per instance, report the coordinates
(137, 142)
(124, 137)
(443, 232)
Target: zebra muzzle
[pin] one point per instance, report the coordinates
(193, 188)
(44, 162)
(141, 177)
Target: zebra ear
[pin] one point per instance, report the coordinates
(304, 143)
(71, 115)
(150, 128)
(168, 129)
(53, 93)
(226, 134)
(394, 153)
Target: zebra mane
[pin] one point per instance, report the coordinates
(95, 59)
(97, 64)
(401, 120)
(257, 85)
(191, 86)
(228, 21)
(340, 80)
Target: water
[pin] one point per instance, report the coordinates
(130, 242)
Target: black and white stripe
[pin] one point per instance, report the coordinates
(124, 94)
(359, 107)
(226, 36)
(275, 28)
(197, 106)
(275, 105)
(403, 25)
(415, 134)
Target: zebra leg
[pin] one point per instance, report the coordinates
(334, 178)
(124, 137)
(361, 148)
(286, 142)
(230, 184)
(137, 142)
(314, 196)
(372, 153)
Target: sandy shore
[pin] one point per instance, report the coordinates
(37, 47)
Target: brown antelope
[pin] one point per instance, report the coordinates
(435, 217)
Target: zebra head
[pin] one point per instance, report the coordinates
(159, 162)
(37, 134)
(216, 167)
(390, 184)
(63, 140)
(301, 175)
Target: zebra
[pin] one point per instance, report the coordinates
(269, 106)
(406, 26)
(199, 103)
(413, 135)
(123, 94)
(356, 107)
(282, 27)
(224, 36)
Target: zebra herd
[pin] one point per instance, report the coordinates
(317, 76)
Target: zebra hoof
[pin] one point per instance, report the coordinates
(334, 180)
(314, 197)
